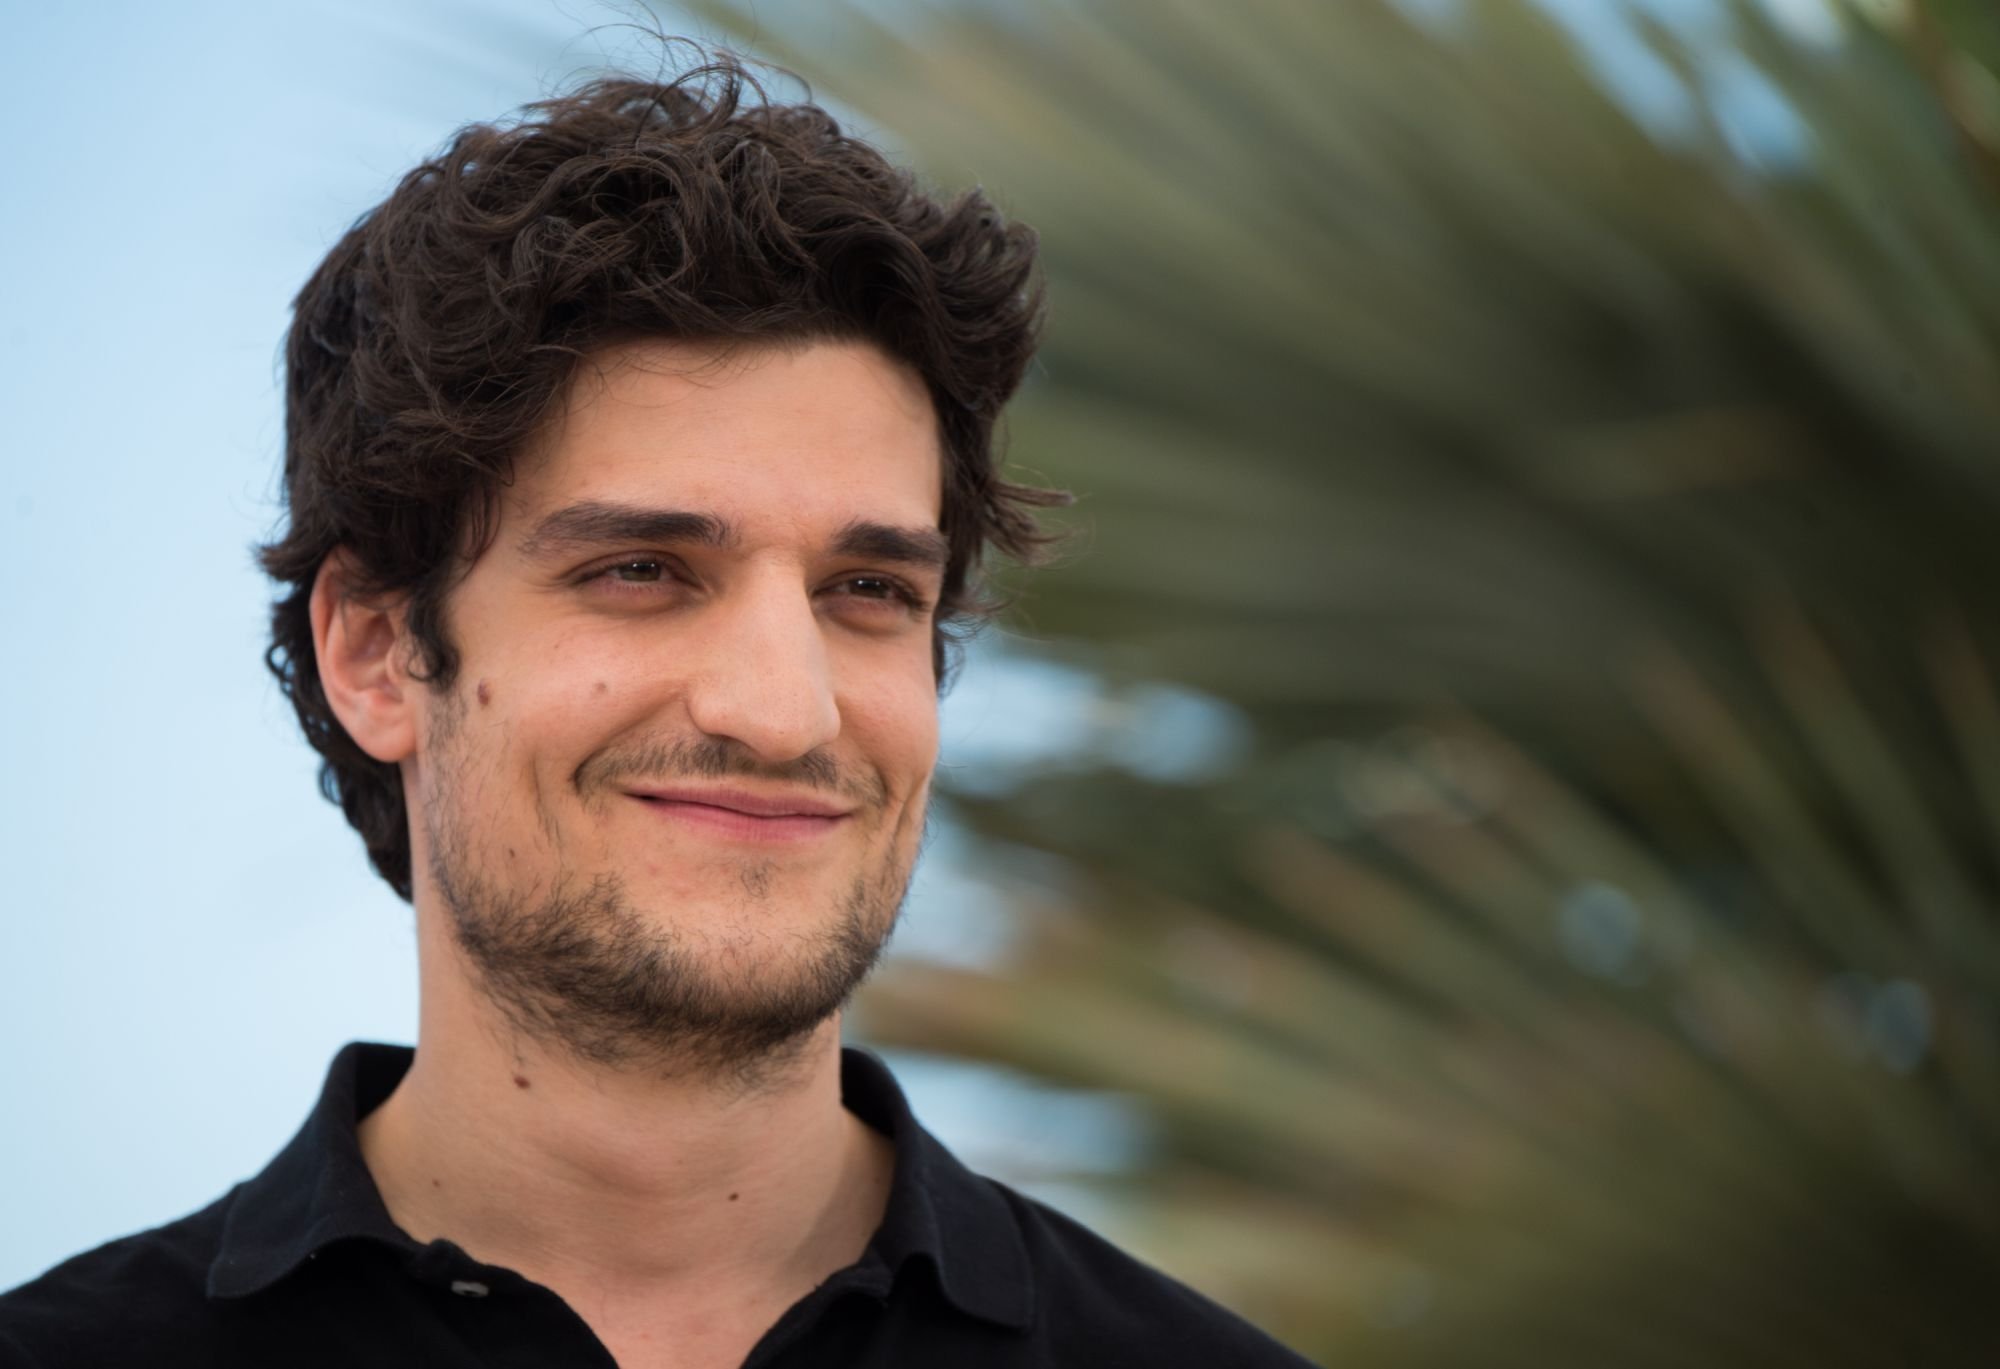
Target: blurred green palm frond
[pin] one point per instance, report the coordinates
(1589, 507)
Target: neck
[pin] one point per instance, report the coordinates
(622, 1178)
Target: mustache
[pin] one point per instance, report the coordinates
(714, 758)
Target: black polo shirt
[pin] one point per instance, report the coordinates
(302, 1267)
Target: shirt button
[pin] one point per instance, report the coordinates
(469, 1288)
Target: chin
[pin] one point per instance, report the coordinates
(712, 975)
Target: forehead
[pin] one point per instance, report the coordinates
(805, 433)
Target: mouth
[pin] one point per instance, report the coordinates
(744, 816)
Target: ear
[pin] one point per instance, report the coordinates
(362, 652)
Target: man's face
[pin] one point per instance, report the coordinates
(671, 801)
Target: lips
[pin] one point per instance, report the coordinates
(749, 804)
(745, 815)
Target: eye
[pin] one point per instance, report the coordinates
(875, 587)
(631, 574)
(640, 571)
(885, 590)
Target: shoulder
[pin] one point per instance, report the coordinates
(149, 1288)
(1094, 1300)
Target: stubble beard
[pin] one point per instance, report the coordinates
(574, 964)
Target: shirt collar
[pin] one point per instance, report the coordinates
(939, 1209)
(318, 1192)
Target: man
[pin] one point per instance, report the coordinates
(639, 462)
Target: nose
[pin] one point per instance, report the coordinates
(764, 680)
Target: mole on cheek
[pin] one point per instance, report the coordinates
(485, 692)
(520, 1081)
(601, 686)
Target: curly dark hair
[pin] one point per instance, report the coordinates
(441, 333)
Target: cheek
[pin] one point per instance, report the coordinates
(544, 714)
(895, 725)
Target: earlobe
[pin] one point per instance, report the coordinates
(359, 643)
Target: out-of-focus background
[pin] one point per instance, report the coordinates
(1486, 850)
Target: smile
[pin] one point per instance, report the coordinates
(747, 817)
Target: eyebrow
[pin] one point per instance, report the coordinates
(921, 547)
(596, 523)
(593, 523)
